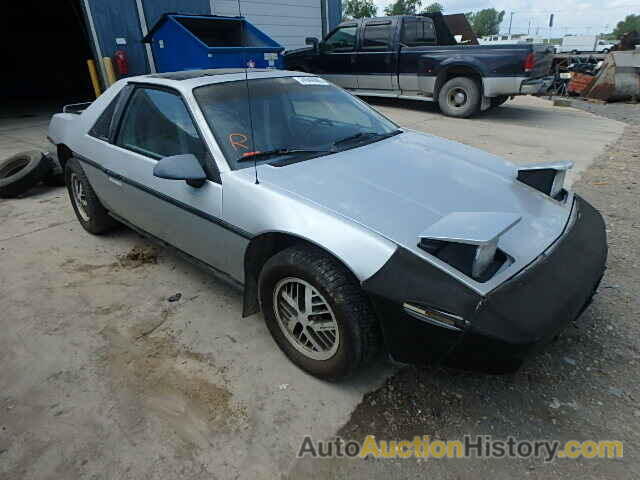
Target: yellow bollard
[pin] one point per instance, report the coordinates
(93, 73)
(108, 66)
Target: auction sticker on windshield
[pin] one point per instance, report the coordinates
(311, 80)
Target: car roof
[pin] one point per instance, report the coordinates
(190, 79)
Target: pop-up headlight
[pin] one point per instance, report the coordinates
(468, 241)
(547, 178)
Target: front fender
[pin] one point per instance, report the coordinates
(263, 208)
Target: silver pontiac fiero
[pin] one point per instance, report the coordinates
(349, 233)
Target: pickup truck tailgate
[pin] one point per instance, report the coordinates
(543, 55)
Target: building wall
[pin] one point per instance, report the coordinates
(289, 22)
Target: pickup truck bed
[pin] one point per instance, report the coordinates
(386, 57)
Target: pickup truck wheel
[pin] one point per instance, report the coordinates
(317, 313)
(93, 217)
(21, 172)
(460, 97)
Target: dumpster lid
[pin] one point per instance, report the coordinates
(148, 38)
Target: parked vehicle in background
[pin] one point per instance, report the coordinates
(604, 46)
(416, 57)
(348, 232)
(585, 43)
(510, 39)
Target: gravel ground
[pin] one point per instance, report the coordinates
(583, 386)
(623, 112)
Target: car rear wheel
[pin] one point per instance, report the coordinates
(91, 214)
(317, 313)
(460, 97)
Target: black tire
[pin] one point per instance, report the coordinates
(55, 178)
(359, 335)
(605, 51)
(21, 172)
(497, 101)
(460, 97)
(93, 217)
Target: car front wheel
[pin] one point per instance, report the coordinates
(317, 313)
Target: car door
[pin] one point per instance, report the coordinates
(337, 57)
(157, 123)
(376, 60)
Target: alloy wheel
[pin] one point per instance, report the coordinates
(306, 318)
(80, 196)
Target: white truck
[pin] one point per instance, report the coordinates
(585, 43)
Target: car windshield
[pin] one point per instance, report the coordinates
(290, 117)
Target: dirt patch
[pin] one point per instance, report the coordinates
(139, 255)
(173, 386)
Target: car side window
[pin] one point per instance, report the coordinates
(418, 32)
(157, 124)
(377, 36)
(100, 129)
(342, 40)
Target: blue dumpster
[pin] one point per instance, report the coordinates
(189, 42)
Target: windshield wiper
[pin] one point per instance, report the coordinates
(366, 135)
(253, 156)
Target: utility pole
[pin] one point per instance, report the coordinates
(529, 29)
(510, 23)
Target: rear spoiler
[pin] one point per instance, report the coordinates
(76, 108)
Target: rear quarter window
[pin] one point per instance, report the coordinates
(101, 128)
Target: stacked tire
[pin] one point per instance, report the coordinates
(25, 170)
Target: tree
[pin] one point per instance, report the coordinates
(486, 22)
(359, 9)
(403, 7)
(629, 24)
(434, 7)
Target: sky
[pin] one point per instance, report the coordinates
(571, 16)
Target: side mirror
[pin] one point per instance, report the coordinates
(181, 167)
(314, 42)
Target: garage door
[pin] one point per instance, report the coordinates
(288, 22)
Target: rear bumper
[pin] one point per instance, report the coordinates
(507, 86)
(517, 317)
(538, 86)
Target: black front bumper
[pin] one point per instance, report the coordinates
(511, 321)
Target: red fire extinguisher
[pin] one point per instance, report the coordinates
(122, 64)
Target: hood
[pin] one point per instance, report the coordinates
(400, 186)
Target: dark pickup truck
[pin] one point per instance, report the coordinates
(417, 57)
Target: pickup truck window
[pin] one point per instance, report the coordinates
(418, 32)
(342, 40)
(377, 36)
(157, 124)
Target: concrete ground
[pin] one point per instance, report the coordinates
(103, 377)
(524, 130)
